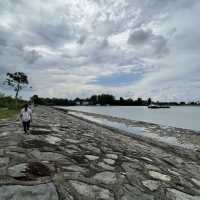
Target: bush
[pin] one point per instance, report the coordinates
(10, 103)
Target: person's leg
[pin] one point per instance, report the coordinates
(24, 125)
(28, 125)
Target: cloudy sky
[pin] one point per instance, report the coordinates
(130, 48)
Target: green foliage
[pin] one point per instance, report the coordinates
(102, 99)
(8, 107)
(50, 101)
(7, 102)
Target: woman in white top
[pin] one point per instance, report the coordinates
(26, 117)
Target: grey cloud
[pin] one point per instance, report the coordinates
(4, 36)
(105, 43)
(31, 56)
(161, 47)
(141, 37)
(3, 42)
(82, 39)
(53, 34)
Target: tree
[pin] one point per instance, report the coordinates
(93, 99)
(121, 100)
(149, 101)
(139, 101)
(106, 99)
(129, 102)
(18, 81)
(35, 99)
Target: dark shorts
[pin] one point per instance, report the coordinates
(26, 126)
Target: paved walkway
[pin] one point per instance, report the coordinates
(68, 158)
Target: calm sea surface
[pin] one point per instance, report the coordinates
(177, 116)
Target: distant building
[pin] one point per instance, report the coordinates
(85, 103)
(78, 103)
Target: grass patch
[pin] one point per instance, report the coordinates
(7, 113)
(9, 107)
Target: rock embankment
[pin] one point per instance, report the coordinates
(64, 157)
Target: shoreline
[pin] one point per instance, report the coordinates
(162, 130)
(180, 117)
(128, 121)
(180, 150)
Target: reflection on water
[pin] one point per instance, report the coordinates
(134, 130)
(122, 126)
(177, 116)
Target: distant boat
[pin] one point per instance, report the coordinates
(154, 106)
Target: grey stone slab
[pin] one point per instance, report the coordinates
(51, 156)
(75, 168)
(91, 148)
(72, 141)
(152, 167)
(173, 172)
(3, 171)
(1, 152)
(92, 157)
(146, 159)
(36, 192)
(17, 170)
(106, 177)
(16, 155)
(105, 166)
(178, 195)
(70, 151)
(197, 182)
(112, 156)
(89, 134)
(4, 134)
(71, 175)
(159, 176)
(4, 161)
(91, 191)
(133, 193)
(130, 167)
(109, 161)
(52, 139)
(151, 184)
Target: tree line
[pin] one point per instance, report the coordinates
(101, 100)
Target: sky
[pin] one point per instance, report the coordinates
(129, 48)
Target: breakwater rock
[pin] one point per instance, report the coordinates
(65, 157)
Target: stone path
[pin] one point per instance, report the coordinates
(67, 158)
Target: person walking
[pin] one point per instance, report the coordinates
(26, 118)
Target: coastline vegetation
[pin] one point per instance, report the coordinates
(8, 106)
